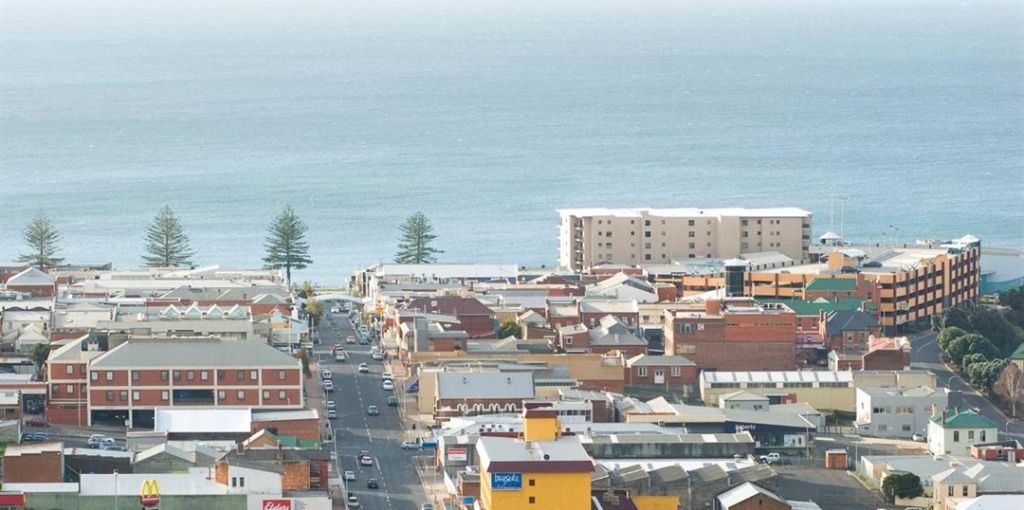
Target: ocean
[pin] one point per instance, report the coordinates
(487, 116)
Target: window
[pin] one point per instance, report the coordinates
(647, 223)
(568, 341)
(647, 234)
(177, 375)
(204, 375)
(163, 375)
(221, 395)
(191, 375)
(281, 395)
(692, 245)
(241, 394)
(70, 369)
(95, 376)
(123, 395)
(241, 481)
(165, 395)
(690, 223)
(970, 435)
(221, 375)
(533, 482)
(135, 395)
(71, 389)
(533, 500)
(691, 234)
(964, 490)
(906, 428)
(677, 371)
(641, 371)
(956, 439)
(647, 256)
(252, 375)
(234, 481)
(110, 396)
(266, 394)
(135, 375)
(983, 436)
(950, 491)
(280, 375)
(647, 246)
(110, 375)
(240, 375)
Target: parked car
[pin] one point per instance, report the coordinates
(376, 355)
(350, 476)
(328, 385)
(918, 437)
(352, 501)
(427, 506)
(410, 445)
(350, 339)
(332, 414)
(775, 458)
(340, 356)
(393, 401)
(95, 440)
(363, 341)
(364, 453)
(372, 411)
(364, 368)
(330, 404)
(36, 422)
(387, 375)
(388, 385)
(111, 445)
(372, 484)
(366, 460)
(327, 374)
(34, 436)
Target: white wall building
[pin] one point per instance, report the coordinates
(955, 431)
(898, 412)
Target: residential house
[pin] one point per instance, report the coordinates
(613, 335)
(476, 319)
(34, 282)
(667, 372)
(847, 331)
(955, 430)
(593, 310)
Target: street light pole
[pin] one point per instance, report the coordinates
(115, 489)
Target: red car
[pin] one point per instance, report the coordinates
(36, 422)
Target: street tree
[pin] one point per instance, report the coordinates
(167, 244)
(315, 309)
(971, 343)
(947, 335)
(38, 355)
(1010, 386)
(955, 317)
(286, 243)
(414, 247)
(41, 237)
(902, 484)
(984, 375)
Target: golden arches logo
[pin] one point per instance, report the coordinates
(150, 489)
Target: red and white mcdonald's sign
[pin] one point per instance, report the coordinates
(277, 504)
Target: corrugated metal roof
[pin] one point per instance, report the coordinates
(194, 352)
(455, 385)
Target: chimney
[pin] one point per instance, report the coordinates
(712, 307)
(280, 451)
(241, 448)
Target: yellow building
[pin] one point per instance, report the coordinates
(540, 471)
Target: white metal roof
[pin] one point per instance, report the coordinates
(203, 420)
(780, 377)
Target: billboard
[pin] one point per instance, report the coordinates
(277, 504)
(506, 481)
(458, 455)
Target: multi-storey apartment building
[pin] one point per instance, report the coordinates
(588, 237)
(127, 382)
(909, 284)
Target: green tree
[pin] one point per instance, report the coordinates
(901, 484)
(984, 375)
(414, 246)
(993, 325)
(167, 245)
(971, 359)
(307, 290)
(286, 243)
(38, 355)
(510, 328)
(971, 343)
(947, 335)
(956, 318)
(41, 237)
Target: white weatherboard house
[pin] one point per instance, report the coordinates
(898, 412)
(954, 431)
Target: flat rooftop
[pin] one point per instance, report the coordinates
(794, 212)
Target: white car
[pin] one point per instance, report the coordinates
(332, 414)
(387, 375)
(330, 404)
(377, 356)
(328, 385)
(365, 460)
(350, 339)
(918, 437)
(96, 440)
(350, 475)
(388, 385)
(352, 501)
(327, 374)
(410, 445)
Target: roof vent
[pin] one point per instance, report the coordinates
(547, 457)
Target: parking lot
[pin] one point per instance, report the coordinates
(831, 489)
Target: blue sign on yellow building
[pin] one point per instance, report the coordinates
(506, 481)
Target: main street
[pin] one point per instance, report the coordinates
(354, 431)
(925, 356)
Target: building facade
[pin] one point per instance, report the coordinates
(733, 334)
(898, 412)
(589, 237)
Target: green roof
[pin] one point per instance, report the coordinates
(808, 308)
(966, 419)
(1019, 353)
(832, 284)
(294, 442)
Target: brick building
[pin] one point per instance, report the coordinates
(474, 317)
(34, 282)
(34, 463)
(128, 381)
(847, 330)
(660, 371)
(751, 497)
(733, 334)
(475, 393)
